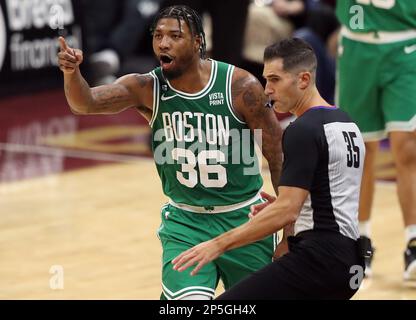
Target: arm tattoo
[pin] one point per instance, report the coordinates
(238, 88)
(143, 80)
(106, 97)
(250, 100)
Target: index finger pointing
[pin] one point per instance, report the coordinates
(62, 43)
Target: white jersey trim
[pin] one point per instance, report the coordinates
(402, 125)
(215, 209)
(380, 37)
(374, 136)
(228, 94)
(155, 98)
(205, 90)
(187, 291)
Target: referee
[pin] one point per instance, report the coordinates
(319, 191)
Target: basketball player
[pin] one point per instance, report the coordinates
(319, 191)
(201, 112)
(376, 86)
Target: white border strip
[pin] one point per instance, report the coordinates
(402, 125)
(187, 291)
(217, 209)
(374, 136)
(229, 97)
(155, 98)
(381, 37)
(204, 91)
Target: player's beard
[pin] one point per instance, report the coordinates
(182, 65)
(172, 74)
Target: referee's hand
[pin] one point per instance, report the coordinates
(198, 255)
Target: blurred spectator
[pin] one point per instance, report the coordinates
(114, 30)
(264, 27)
(315, 22)
(320, 32)
(293, 10)
(312, 20)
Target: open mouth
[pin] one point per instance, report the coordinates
(270, 103)
(165, 60)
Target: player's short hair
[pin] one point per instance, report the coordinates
(191, 18)
(296, 54)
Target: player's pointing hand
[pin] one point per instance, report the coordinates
(69, 59)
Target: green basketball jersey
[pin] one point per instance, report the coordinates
(204, 154)
(378, 15)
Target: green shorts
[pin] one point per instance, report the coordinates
(181, 230)
(376, 86)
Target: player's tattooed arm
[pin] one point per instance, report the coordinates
(249, 103)
(129, 91)
(110, 98)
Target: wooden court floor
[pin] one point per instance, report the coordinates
(91, 234)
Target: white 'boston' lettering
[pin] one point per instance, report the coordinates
(179, 126)
(190, 135)
(223, 131)
(199, 116)
(167, 126)
(211, 129)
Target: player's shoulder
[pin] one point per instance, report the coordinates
(240, 76)
(244, 83)
(136, 82)
(244, 75)
(141, 80)
(140, 86)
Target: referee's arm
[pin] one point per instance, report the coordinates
(281, 212)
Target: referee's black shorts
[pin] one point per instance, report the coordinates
(317, 266)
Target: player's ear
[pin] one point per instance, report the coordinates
(304, 79)
(197, 43)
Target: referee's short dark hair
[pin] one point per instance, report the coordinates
(296, 54)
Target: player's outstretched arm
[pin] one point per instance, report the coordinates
(283, 211)
(129, 91)
(249, 101)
